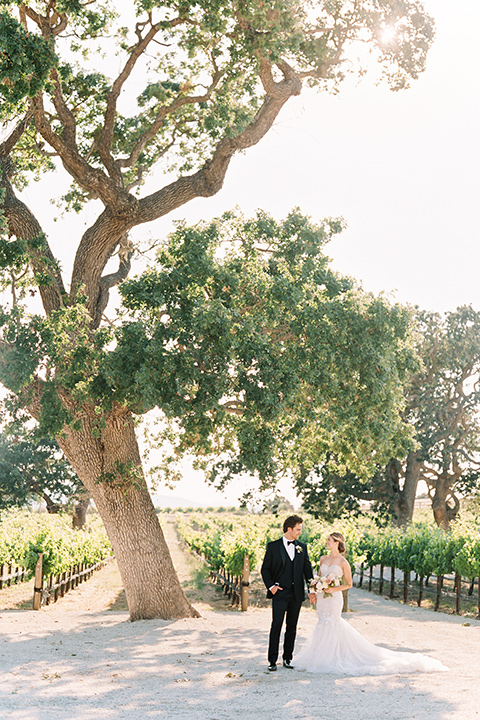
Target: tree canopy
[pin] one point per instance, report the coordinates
(260, 353)
(33, 468)
(168, 91)
(442, 403)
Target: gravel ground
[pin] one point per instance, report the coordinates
(82, 658)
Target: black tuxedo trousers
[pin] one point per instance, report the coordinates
(285, 606)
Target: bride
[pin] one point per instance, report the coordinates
(336, 647)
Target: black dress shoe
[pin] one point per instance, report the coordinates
(272, 667)
(287, 664)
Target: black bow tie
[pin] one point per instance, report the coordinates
(290, 542)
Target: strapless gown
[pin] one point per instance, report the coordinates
(336, 647)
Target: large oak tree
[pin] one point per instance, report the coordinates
(214, 76)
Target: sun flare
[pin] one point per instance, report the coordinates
(388, 34)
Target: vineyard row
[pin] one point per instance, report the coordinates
(421, 549)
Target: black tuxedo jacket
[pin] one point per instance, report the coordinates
(274, 562)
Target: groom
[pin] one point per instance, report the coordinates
(286, 567)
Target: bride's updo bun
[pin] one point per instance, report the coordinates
(338, 537)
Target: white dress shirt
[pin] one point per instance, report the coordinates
(290, 551)
(289, 548)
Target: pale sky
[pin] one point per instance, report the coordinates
(401, 168)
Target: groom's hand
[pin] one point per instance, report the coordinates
(312, 597)
(274, 589)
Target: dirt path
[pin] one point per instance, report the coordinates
(103, 591)
(82, 658)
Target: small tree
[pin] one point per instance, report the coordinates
(442, 403)
(33, 468)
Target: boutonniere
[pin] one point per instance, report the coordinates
(298, 548)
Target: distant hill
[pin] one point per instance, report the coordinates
(170, 501)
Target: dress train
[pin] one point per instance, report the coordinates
(336, 647)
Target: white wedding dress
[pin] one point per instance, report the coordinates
(336, 647)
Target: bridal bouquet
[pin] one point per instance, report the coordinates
(324, 581)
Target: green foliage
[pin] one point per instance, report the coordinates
(224, 541)
(124, 476)
(13, 253)
(443, 404)
(421, 548)
(442, 399)
(260, 356)
(244, 337)
(33, 467)
(23, 535)
(201, 77)
(65, 345)
(329, 494)
(25, 61)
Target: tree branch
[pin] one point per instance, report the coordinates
(23, 224)
(96, 248)
(46, 24)
(9, 143)
(100, 241)
(109, 281)
(105, 144)
(65, 115)
(93, 180)
(232, 407)
(162, 113)
(209, 179)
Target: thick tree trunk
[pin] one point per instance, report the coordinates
(442, 511)
(52, 507)
(79, 517)
(405, 501)
(439, 505)
(110, 468)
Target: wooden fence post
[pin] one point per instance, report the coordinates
(49, 590)
(406, 578)
(420, 591)
(392, 581)
(245, 584)
(458, 590)
(38, 583)
(57, 583)
(360, 582)
(438, 593)
(478, 604)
